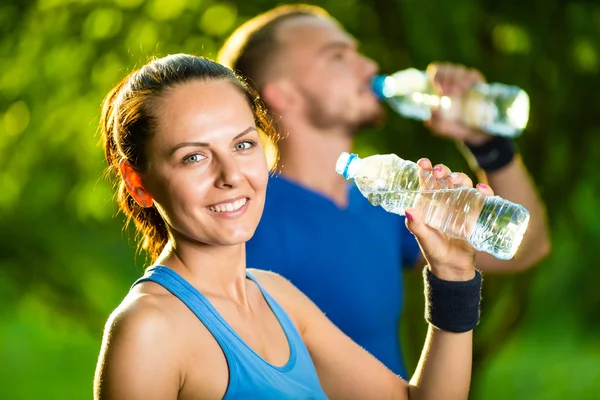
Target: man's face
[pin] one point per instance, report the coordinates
(332, 77)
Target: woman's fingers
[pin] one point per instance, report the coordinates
(425, 164)
(442, 172)
(485, 189)
(460, 179)
(414, 223)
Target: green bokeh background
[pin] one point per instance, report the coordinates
(66, 262)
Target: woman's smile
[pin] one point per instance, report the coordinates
(231, 208)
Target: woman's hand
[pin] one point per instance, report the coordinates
(448, 258)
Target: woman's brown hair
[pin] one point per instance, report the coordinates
(128, 121)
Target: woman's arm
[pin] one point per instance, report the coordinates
(138, 358)
(347, 371)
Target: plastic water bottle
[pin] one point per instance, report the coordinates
(490, 223)
(496, 108)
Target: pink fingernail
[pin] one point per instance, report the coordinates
(482, 185)
(437, 169)
(410, 217)
(421, 159)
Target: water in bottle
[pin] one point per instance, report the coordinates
(490, 223)
(496, 108)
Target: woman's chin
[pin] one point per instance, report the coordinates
(234, 238)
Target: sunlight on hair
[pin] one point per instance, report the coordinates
(271, 151)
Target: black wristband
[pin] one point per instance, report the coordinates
(452, 306)
(494, 154)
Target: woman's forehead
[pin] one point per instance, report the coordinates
(203, 108)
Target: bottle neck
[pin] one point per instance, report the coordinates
(406, 82)
(352, 167)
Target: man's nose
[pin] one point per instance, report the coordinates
(369, 67)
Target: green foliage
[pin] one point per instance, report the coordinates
(65, 261)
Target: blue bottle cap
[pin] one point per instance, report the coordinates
(343, 162)
(378, 84)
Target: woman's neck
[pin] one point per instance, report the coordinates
(218, 271)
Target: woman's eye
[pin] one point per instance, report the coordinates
(193, 158)
(245, 145)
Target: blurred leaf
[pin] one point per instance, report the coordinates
(103, 23)
(143, 38)
(585, 55)
(510, 38)
(16, 119)
(218, 19)
(128, 3)
(165, 10)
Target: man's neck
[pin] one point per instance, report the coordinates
(308, 157)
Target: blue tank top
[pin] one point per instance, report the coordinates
(359, 251)
(250, 376)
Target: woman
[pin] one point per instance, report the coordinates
(182, 135)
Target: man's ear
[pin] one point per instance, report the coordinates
(133, 184)
(281, 96)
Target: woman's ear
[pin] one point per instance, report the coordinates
(133, 184)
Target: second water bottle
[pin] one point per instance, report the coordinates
(496, 108)
(490, 223)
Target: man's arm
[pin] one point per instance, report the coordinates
(514, 183)
(511, 181)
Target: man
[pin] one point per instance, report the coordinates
(317, 230)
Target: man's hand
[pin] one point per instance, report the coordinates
(454, 81)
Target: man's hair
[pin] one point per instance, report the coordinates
(251, 47)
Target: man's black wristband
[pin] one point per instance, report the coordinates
(494, 154)
(452, 306)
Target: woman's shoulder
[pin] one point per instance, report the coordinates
(275, 284)
(154, 328)
(266, 277)
(145, 313)
(139, 331)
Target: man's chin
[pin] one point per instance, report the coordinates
(373, 120)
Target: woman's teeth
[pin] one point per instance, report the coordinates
(227, 207)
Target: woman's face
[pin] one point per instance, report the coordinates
(207, 170)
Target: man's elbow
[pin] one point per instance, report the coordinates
(534, 255)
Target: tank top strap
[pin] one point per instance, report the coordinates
(195, 301)
(250, 376)
(286, 323)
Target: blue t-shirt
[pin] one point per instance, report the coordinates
(348, 261)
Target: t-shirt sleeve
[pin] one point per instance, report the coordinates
(263, 250)
(257, 254)
(410, 248)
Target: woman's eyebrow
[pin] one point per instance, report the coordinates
(204, 144)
